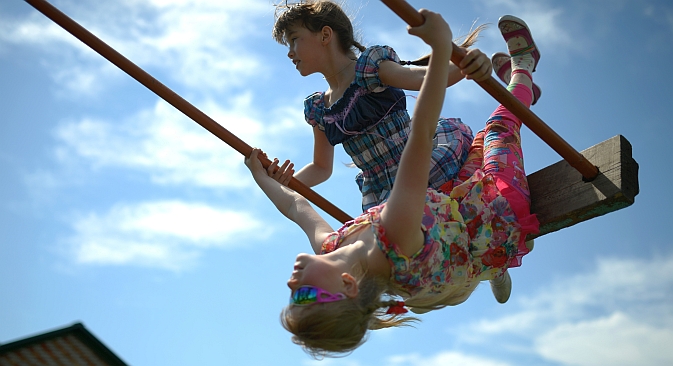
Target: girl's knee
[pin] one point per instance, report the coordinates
(502, 133)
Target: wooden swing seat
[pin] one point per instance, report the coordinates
(561, 198)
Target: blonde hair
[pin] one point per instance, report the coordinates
(423, 302)
(465, 41)
(338, 328)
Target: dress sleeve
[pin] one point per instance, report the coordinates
(330, 244)
(367, 67)
(313, 112)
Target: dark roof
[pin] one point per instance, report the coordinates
(73, 345)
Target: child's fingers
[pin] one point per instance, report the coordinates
(425, 28)
(418, 30)
(253, 155)
(471, 59)
(476, 65)
(281, 170)
(272, 167)
(253, 161)
(477, 72)
(483, 73)
(287, 175)
(282, 174)
(433, 30)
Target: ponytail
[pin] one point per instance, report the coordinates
(467, 41)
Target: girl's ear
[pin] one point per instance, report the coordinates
(350, 285)
(326, 34)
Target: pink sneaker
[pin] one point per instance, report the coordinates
(502, 66)
(518, 37)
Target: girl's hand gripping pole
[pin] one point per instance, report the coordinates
(497, 91)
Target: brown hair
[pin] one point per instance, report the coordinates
(338, 328)
(314, 15)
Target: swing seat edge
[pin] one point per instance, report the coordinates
(561, 198)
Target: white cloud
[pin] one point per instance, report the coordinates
(82, 80)
(111, 251)
(205, 43)
(36, 30)
(225, 4)
(171, 148)
(618, 306)
(331, 362)
(174, 150)
(201, 225)
(442, 359)
(615, 285)
(618, 314)
(200, 44)
(164, 234)
(614, 340)
(544, 19)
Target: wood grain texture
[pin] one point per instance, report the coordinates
(560, 197)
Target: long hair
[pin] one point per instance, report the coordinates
(337, 328)
(465, 41)
(422, 303)
(314, 15)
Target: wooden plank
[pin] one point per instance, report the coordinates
(560, 197)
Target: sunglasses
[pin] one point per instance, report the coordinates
(307, 295)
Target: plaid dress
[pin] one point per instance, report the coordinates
(372, 123)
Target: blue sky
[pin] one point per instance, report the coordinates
(118, 211)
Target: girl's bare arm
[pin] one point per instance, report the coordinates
(320, 169)
(402, 215)
(411, 78)
(290, 203)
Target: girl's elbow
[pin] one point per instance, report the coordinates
(327, 173)
(292, 208)
(323, 173)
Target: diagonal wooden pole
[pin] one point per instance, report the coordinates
(497, 91)
(174, 99)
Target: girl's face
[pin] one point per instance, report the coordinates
(316, 270)
(304, 47)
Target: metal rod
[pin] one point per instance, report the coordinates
(497, 91)
(174, 99)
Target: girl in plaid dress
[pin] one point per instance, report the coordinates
(431, 248)
(364, 107)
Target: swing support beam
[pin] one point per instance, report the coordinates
(175, 100)
(497, 91)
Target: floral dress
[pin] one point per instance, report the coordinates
(371, 121)
(470, 235)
